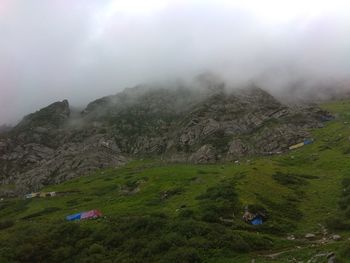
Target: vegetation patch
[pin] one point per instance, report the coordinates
(341, 220)
(45, 211)
(220, 201)
(171, 192)
(6, 224)
(288, 179)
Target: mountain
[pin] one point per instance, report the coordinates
(204, 124)
(157, 211)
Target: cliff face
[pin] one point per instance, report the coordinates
(179, 124)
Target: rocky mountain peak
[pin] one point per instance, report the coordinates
(183, 124)
(52, 116)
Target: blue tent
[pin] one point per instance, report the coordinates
(73, 217)
(257, 221)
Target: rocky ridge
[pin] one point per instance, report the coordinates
(199, 125)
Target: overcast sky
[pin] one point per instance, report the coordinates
(84, 49)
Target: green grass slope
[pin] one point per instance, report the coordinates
(159, 212)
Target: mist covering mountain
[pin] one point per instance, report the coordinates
(174, 131)
(205, 123)
(81, 50)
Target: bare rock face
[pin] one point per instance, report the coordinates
(179, 124)
(33, 166)
(244, 122)
(43, 149)
(237, 148)
(205, 154)
(67, 162)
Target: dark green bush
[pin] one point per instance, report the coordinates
(96, 249)
(281, 216)
(183, 255)
(186, 213)
(234, 242)
(218, 202)
(288, 179)
(45, 211)
(338, 222)
(257, 242)
(6, 224)
(345, 251)
(4, 205)
(344, 202)
(150, 238)
(22, 205)
(346, 182)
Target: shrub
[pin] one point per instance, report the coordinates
(146, 224)
(22, 205)
(96, 249)
(4, 205)
(346, 182)
(62, 254)
(132, 183)
(288, 179)
(344, 202)
(73, 202)
(219, 201)
(337, 223)
(159, 246)
(183, 255)
(186, 213)
(174, 238)
(199, 242)
(277, 226)
(190, 228)
(134, 245)
(257, 242)
(6, 224)
(345, 251)
(234, 242)
(47, 210)
(171, 192)
(255, 208)
(281, 216)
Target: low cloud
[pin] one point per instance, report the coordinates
(81, 50)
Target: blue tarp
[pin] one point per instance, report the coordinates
(308, 141)
(74, 217)
(257, 221)
(326, 118)
(84, 215)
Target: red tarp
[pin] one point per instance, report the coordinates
(85, 215)
(91, 214)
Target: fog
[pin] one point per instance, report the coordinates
(83, 49)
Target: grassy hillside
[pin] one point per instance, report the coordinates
(159, 212)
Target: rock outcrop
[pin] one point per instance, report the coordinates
(199, 125)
